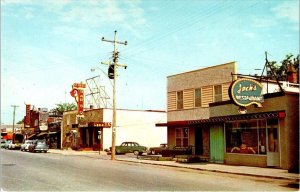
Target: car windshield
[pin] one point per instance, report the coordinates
(41, 142)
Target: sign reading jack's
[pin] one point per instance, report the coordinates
(245, 92)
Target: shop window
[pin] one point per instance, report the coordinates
(198, 97)
(182, 137)
(179, 99)
(248, 137)
(217, 93)
(262, 144)
(272, 131)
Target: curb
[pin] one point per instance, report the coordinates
(186, 167)
(216, 171)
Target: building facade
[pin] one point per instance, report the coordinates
(132, 125)
(201, 114)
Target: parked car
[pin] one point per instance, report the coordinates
(3, 143)
(8, 142)
(16, 145)
(130, 147)
(25, 145)
(38, 146)
(157, 150)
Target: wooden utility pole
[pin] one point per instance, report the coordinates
(14, 114)
(113, 66)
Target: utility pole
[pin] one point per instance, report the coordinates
(14, 114)
(112, 70)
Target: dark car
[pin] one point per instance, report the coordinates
(130, 147)
(157, 150)
(38, 146)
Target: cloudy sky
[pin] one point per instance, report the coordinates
(48, 45)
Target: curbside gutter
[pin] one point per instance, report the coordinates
(214, 170)
(180, 165)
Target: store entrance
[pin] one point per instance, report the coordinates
(198, 141)
(273, 143)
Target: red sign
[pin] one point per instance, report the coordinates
(78, 86)
(27, 117)
(74, 93)
(100, 124)
(78, 93)
(80, 103)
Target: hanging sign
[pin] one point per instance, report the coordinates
(78, 93)
(245, 92)
(27, 117)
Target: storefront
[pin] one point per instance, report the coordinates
(263, 136)
(235, 120)
(93, 130)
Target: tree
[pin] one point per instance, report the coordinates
(62, 107)
(21, 121)
(281, 70)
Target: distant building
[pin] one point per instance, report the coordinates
(132, 125)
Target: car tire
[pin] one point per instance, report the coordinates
(136, 152)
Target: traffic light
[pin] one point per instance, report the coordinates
(111, 71)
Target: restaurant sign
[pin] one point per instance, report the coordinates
(245, 92)
(100, 124)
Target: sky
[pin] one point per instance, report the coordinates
(48, 45)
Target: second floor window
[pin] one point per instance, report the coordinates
(217, 93)
(198, 97)
(180, 100)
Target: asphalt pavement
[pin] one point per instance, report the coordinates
(274, 173)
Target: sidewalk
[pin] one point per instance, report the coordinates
(221, 168)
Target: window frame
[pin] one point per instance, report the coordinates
(217, 95)
(182, 136)
(200, 98)
(179, 101)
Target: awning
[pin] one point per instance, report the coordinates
(172, 124)
(211, 120)
(51, 133)
(264, 115)
(30, 136)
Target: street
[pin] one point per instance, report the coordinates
(23, 171)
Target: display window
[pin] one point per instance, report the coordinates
(247, 137)
(182, 137)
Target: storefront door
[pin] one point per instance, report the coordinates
(273, 147)
(217, 143)
(198, 141)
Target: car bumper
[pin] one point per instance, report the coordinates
(41, 149)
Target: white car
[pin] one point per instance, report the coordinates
(25, 145)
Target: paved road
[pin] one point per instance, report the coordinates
(22, 171)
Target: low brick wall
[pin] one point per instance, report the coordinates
(246, 159)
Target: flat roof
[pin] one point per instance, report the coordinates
(202, 69)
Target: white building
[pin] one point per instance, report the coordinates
(132, 125)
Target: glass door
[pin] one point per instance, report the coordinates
(272, 143)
